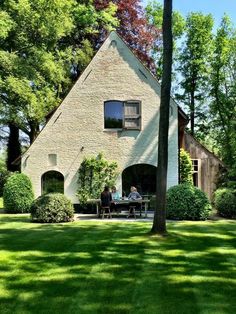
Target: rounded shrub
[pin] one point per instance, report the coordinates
(53, 207)
(185, 201)
(18, 193)
(4, 175)
(225, 202)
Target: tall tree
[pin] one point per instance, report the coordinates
(134, 28)
(154, 14)
(13, 148)
(223, 92)
(194, 62)
(31, 68)
(159, 221)
(35, 63)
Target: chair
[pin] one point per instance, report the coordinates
(105, 210)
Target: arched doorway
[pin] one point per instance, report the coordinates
(52, 182)
(142, 176)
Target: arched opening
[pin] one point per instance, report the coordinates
(142, 176)
(52, 182)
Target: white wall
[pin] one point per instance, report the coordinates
(114, 73)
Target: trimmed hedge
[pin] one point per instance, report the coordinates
(185, 201)
(53, 207)
(18, 194)
(225, 202)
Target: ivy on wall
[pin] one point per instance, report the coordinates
(94, 173)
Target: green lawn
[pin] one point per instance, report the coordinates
(116, 267)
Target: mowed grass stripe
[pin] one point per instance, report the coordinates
(116, 267)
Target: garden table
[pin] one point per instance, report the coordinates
(144, 202)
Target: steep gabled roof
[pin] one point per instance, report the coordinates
(142, 69)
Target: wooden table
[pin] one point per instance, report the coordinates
(97, 202)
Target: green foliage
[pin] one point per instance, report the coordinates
(185, 167)
(94, 173)
(185, 201)
(52, 208)
(154, 15)
(41, 42)
(194, 58)
(223, 88)
(18, 193)
(225, 202)
(226, 179)
(4, 174)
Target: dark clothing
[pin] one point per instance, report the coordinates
(106, 199)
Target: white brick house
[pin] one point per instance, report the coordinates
(116, 86)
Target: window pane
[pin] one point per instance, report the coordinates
(195, 165)
(132, 123)
(113, 114)
(131, 108)
(52, 182)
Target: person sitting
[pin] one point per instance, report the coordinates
(115, 197)
(106, 199)
(134, 196)
(115, 194)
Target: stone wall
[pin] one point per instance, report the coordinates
(76, 129)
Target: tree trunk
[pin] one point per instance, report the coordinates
(159, 221)
(34, 131)
(13, 148)
(192, 110)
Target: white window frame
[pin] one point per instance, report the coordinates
(198, 171)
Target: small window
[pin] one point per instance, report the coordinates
(122, 115)
(195, 164)
(52, 159)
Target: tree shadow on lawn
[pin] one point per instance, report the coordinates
(100, 267)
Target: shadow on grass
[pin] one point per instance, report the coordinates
(103, 267)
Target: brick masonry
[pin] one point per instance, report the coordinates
(76, 129)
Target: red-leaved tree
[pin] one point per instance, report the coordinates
(133, 28)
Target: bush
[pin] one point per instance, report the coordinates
(185, 167)
(18, 193)
(225, 202)
(53, 207)
(185, 201)
(4, 175)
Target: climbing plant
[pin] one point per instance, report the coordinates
(94, 173)
(185, 168)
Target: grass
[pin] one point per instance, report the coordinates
(116, 267)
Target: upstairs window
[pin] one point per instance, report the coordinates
(122, 115)
(113, 114)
